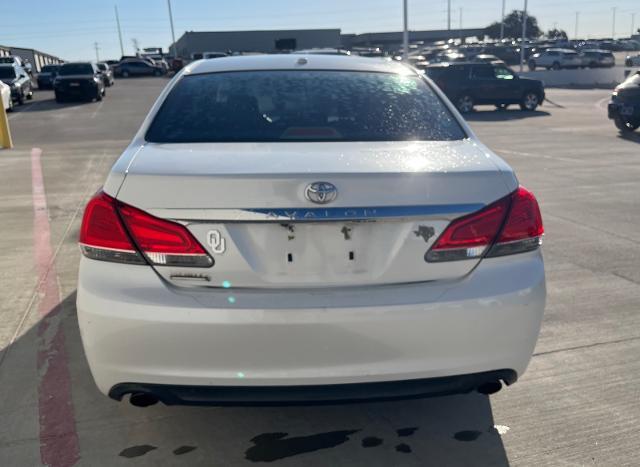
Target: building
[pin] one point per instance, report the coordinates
(394, 39)
(35, 57)
(4, 51)
(198, 42)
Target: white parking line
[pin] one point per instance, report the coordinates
(95, 112)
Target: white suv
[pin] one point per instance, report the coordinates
(556, 59)
(307, 228)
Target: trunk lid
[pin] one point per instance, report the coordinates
(246, 204)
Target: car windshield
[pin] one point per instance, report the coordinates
(49, 68)
(76, 69)
(7, 72)
(267, 106)
(102, 66)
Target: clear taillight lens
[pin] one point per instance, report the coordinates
(114, 231)
(511, 225)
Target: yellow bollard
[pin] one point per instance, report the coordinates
(5, 134)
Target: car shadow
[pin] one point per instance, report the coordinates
(503, 115)
(45, 105)
(454, 430)
(632, 136)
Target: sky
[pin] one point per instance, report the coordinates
(70, 28)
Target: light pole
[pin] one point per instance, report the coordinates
(613, 26)
(95, 45)
(405, 32)
(448, 15)
(119, 30)
(633, 23)
(504, 3)
(524, 35)
(173, 34)
(575, 34)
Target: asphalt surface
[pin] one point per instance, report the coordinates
(578, 404)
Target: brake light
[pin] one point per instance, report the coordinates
(102, 235)
(114, 231)
(511, 225)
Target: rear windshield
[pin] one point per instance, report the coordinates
(7, 72)
(7, 60)
(76, 69)
(268, 106)
(49, 68)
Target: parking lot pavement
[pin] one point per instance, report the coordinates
(578, 404)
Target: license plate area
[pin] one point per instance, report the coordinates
(315, 254)
(74, 85)
(627, 110)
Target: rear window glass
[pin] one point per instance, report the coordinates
(49, 68)
(267, 106)
(76, 69)
(102, 66)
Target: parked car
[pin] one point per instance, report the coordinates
(555, 59)
(46, 76)
(12, 60)
(309, 262)
(631, 61)
(18, 80)
(470, 84)
(107, 74)
(79, 80)
(5, 97)
(138, 68)
(624, 107)
(594, 58)
(209, 55)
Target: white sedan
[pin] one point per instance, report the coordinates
(5, 96)
(288, 228)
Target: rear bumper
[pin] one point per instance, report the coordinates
(313, 394)
(138, 330)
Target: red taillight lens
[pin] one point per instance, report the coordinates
(470, 236)
(523, 230)
(163, 242)
(102, 235)
(105, 237)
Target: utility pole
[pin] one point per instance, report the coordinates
(405, 33)
(95, 45)
(633, 23)
(136, 45)
(575, 33)
(119, 30)
(613, 26)
(524, 35)
(504, 3)
(448, 15)
(461, 39)
(173, 34)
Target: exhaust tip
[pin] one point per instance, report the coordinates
(490, 388)
(142, 399)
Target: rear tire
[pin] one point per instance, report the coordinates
(625, 126)
(530, 101)
(555, 66)
(98, 95)
(125, 74)
(59, 98)
(532, 65)
(10, 108)
(464, 103)
(30, 95)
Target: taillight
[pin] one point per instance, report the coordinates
(102, 235)
(114, 231)
(511, 225)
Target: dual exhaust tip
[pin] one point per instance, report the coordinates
(145, 399)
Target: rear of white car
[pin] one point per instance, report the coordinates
(307, 229)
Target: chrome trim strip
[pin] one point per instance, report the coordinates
(369, 213)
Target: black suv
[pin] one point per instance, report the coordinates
(18, 80)
(469, 84)
(81, 80)
(624, 107)
(47, 75)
